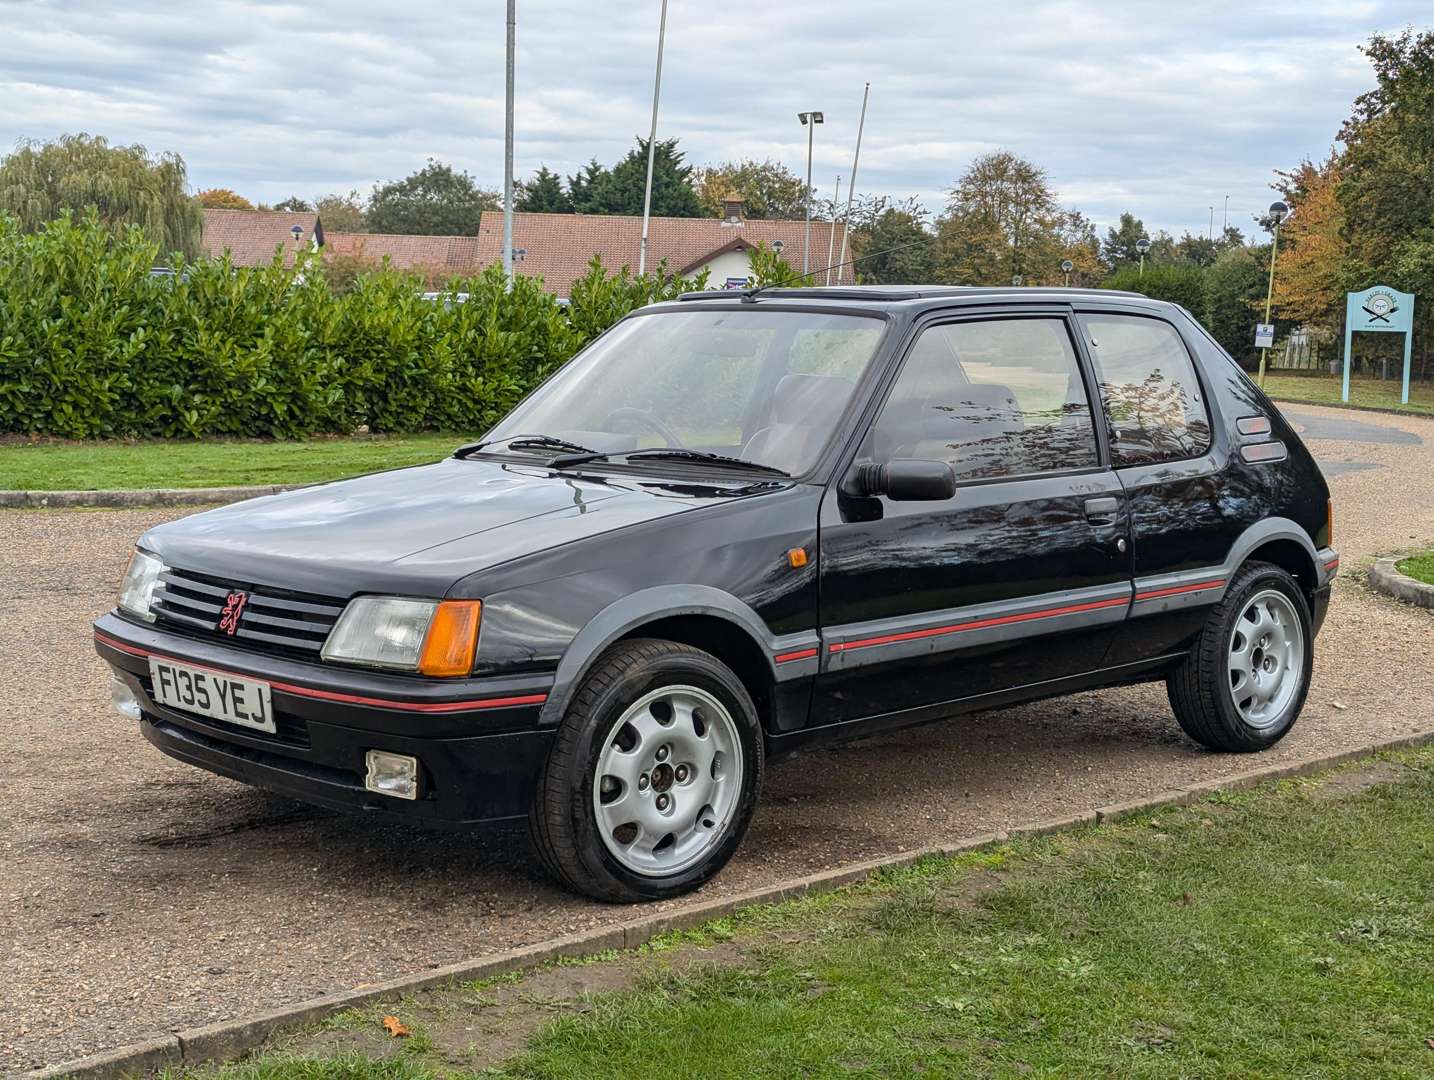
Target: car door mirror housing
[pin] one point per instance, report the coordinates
(905, 480)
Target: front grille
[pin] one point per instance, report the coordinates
(272, 620)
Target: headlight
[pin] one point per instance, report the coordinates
(393, 632)
(137, 589)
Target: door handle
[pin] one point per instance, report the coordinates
(1102, 510)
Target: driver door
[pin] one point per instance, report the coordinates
(1022, 576)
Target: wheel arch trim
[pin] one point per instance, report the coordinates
(788, 656)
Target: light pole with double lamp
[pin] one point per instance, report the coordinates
(809, 120)
(1278, 212)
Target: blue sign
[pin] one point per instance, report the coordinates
(1379, 309)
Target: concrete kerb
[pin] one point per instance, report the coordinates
(230, 1039)
(1384, 576)
(119, 500)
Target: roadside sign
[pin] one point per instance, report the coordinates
(1264, 335)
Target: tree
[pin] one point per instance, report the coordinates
(293, 205)
(544, 194)
(223, 199)
(1234, 299)
(1309, 286)
(1175, 283)
(342, 213)
(619, 190)
(1079, 243)
(894, 248)
(126, 185)
(1002, 222)
(768, 189)
(1118, 248)
(434, 201)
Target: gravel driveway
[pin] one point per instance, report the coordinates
(141, 895)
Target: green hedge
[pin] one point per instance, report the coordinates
(92, 345)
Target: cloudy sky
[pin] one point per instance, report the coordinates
(1159, 108)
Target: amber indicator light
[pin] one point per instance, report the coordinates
(797, 558)
(452, 638)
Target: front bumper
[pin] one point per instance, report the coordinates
(477, 741)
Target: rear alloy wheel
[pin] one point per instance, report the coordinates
(1244, 683)
(653, 775)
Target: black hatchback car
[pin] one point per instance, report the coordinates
(733, 526)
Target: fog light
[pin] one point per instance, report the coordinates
(123, 699)
(392, 774)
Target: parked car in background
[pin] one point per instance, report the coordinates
(736, 525)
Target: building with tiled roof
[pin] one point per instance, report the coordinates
(559, 246)
(252, 236)
(435, 257)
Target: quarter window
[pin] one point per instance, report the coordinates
(1148, 384)
(992, 398)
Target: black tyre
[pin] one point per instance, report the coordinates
(653, 775)
(1243, 685)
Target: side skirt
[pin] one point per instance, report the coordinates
(1147, 670)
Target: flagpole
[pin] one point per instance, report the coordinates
(652, 142)
(851, 185)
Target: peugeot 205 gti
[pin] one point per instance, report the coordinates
(733, 526)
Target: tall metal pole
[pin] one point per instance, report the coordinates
(1270, 296)
(851, 184)
(831, 229)
(1225, 224)
(652, 141)
(807, 232)
(1211, 235)
(508, 150)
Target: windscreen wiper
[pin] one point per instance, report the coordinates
(667, 453)
(526, 442)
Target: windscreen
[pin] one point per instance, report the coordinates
(761, 385)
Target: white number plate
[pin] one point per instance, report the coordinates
(208, 693)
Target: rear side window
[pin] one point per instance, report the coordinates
(1147, 382)
(994, 399)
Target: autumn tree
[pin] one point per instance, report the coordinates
(126, 184)
(435, 200)
(1002, 222)
(768, 189)
(895, 247)
(342, 213)
(1309, 287)
(293, 205)
(223, 199)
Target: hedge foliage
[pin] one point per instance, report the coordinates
(92, 345)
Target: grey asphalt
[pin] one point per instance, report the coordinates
(141, 895)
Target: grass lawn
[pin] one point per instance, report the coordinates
(1419, 566)
(68, 466)
(1282, 932)
(1374, 393)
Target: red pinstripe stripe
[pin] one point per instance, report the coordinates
(328, 695)
(1200, 587)
(977, 624)
(798, 654)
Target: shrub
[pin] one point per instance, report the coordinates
(93, 345)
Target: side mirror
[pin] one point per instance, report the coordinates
(905, 480)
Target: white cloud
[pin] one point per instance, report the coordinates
(1139, 105)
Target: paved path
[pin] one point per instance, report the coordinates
(139, 895)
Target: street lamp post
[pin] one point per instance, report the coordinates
(1278, 212)
(809, 120)
(1142, 245)
(1066, 267)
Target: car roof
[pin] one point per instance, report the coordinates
(907, 297)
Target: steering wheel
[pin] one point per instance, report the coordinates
(642, 416)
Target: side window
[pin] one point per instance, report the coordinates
(993, 399)
(1148, 384)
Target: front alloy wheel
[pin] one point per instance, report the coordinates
(653, 774)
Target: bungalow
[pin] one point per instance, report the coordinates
(251, 237)
(559, 246)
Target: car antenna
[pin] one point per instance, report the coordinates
(750, 295)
